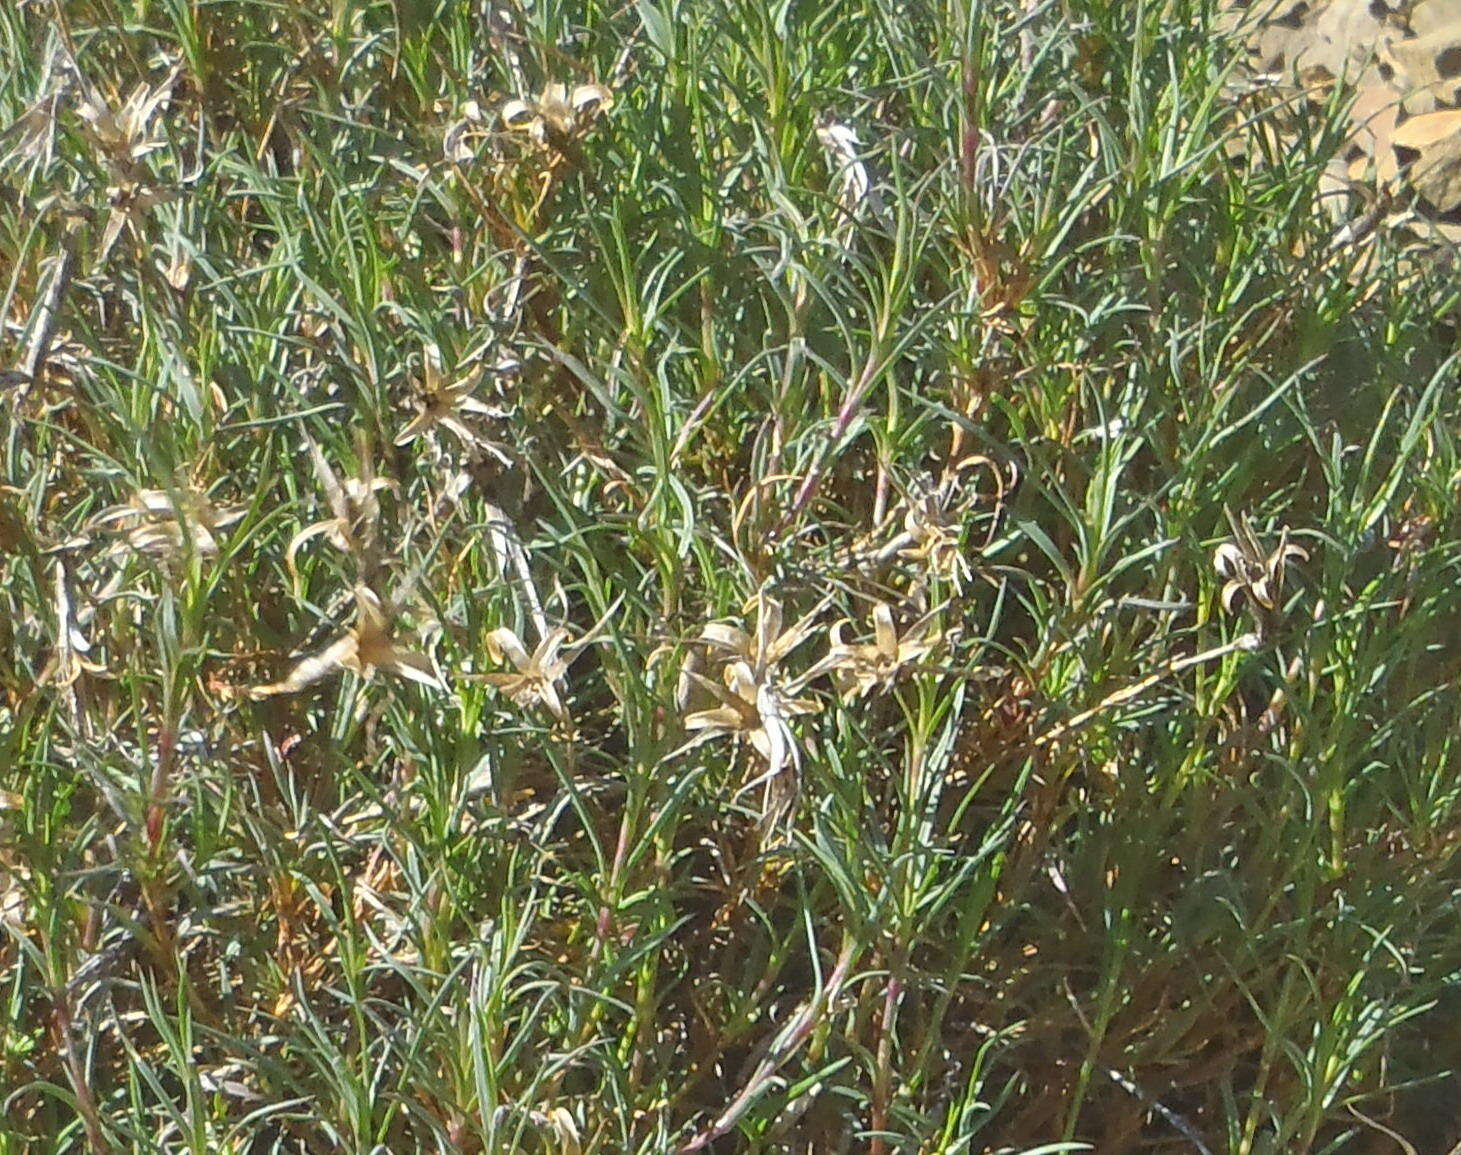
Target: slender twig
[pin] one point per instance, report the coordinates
(510, 547)
(76, 1072)
(47, 312)
(883, 1079)
(786, 1045)
(1188, 1131)
(1405, 1145)
(1247, 644)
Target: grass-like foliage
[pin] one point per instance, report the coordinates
(712, 576)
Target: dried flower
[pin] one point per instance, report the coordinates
(163, 522)
(559, 1128)
(858, 668)
(538, 676)
(354, 510)
(856, 195)
(557, 114)
(130, 202)
(31, 137)
(368, 646)
(457, 140)
(441, 402)
(15, 874)
(752, 710)
(123, 139)
(750, 703)
(764, 650)
(179, 269)
(122, 135)
(931, 532)
(1249, 572)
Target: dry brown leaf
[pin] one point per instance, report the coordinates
(1426, 68)
(1430, 16)
(122, 132)
(1322, 40)
(1436, 171)
(1372, 119)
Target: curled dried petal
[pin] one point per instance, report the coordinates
(1227, 559)
(591, 98)
(518, 114)
(503, 641)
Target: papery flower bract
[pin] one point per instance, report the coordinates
(931, 536)
(32, 135)
(856, 196)
(368, 646)
(750, 703)
(123, 139)
(122, 135)
(456, 141)
(129, 203)
(539, 676)
(769, 645)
